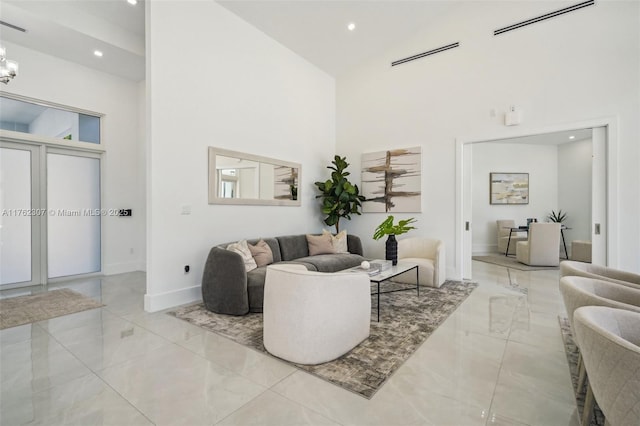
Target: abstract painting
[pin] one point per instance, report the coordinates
(509, 188)
(391, 181)
(285, 183)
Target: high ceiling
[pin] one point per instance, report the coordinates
(314, 29)
(73, 29)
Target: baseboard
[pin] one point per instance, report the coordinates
(121, 268)
(484, 248)
(170, 299)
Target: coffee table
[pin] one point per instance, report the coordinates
(387, 274)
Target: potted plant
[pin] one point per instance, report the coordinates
(340, 198)
(388, 228)
(558, 218)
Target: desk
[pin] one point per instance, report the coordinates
(526, 229)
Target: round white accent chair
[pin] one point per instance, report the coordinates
(314, 317)
(609, 341)
(429, 255)
(589, 270)
(503, 227)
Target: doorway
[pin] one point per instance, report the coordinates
(603, 194)
(50, 223)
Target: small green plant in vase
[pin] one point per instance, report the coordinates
(388, 228)
(557, 217)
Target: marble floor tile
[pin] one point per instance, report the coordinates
(175, 386)
(35, 365)
(83, 401)
(124, 343)
(167, 326)
(271, 409)
(258, 367)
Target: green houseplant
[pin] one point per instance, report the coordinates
(388, 228)
(557, 217)
(340, 198)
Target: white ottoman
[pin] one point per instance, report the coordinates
(581, 251)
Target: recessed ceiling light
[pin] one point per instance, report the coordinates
(98, 53)
(133, 2)
(572, 137)
(351, 26)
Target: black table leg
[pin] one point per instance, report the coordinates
(566, 255)
(378, 301)
(506, 253)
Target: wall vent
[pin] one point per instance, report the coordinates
(544, 17)
(423, 54)
(15, 27)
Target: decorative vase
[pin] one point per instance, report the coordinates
(391, 252)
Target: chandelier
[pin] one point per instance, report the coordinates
(8, 69)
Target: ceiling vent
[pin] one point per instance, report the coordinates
(15, 27)
(544, 17)
(423, 54)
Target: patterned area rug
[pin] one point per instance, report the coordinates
(43, 306)
(510, 262)
(406, 321)
(572, 353)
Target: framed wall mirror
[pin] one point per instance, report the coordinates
(241, 178)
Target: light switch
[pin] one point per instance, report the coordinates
(185, 209)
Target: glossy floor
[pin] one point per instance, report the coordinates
(497, 360)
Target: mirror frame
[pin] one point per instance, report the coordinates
(213, 179)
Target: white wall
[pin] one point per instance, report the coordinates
(117, 98)
(558, 71)
(574, 188)
(235, 88)
(540, 161)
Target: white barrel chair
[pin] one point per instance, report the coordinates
(589, 270)
(609, 340)
(314, 317)
(429, 255)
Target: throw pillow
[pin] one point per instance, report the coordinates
(261, 253)
(339, 241)
(243, 250)
(320, 244)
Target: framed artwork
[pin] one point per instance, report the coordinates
(509, 188)
(391, 181)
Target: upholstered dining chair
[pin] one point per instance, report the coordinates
(543, 246)
(314, 317)
(609, 341)
(581, 291)
(504, 228)
(429, 254)
(617, 276)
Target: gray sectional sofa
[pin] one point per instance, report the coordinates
(228, 289)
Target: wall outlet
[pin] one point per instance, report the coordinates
(186, 269)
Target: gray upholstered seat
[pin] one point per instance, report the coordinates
(581, 269)
(609, 340)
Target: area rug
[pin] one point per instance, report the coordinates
(510, 262)
(42, 306)
(572, 353)
(406, 321)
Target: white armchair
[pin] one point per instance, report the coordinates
(504, 229)
(543, 246)
(314, 317)
(430, 256)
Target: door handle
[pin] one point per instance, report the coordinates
(466, 226)
(596, 228)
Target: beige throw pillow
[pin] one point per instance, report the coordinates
(339, 241)
(243, 250)
(261, 253)
(320, 244)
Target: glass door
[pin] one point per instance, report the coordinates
(21, 215)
